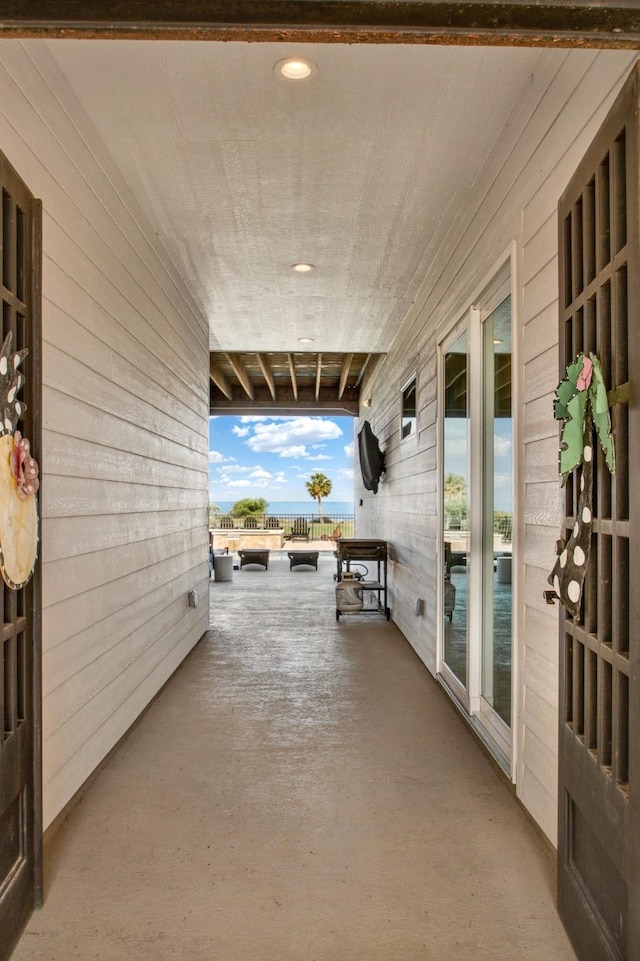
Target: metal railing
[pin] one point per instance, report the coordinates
(310, 526)
(502, 525)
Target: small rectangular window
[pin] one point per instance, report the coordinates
(409, 408)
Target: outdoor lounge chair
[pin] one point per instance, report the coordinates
(303, 558)
(254, 555)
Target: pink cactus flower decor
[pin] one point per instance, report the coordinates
(584, 377)
(24, 468)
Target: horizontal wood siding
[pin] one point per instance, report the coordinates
(124, 493)
(513, 199)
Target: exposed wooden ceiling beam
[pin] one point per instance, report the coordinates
(241, 374)
(267, 373)
(292, 371)
(363, 369)
(304, 403)
(346, 366)
(367, 373)
(282, 379)
(578, 23)
(219, 379)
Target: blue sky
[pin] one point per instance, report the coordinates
(457, 456)
(272, 457)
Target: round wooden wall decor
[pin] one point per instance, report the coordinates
(19, 480)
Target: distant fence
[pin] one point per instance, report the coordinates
(502, 524)
(301, 525)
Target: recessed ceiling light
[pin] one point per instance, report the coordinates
(296, 68)
(305, 340)
(302, 268)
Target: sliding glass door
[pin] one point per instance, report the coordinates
(477, 482)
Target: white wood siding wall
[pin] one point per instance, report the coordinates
(124, 492)
(514, 199)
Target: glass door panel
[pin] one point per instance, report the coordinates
(455, 507)
(497, 470)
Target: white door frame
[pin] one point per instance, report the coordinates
(502, 740)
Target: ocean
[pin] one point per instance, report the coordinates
(300, 507)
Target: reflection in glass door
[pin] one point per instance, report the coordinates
(477, 493)
(497, 484)
(455, 507)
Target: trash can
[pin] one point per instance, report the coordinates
(504, 569)
(223, 567)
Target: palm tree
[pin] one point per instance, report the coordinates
(319, 486)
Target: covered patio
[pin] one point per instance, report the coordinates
(298, 789)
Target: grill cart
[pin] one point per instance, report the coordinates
(352, 585)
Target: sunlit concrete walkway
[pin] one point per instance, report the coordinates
(300, 791)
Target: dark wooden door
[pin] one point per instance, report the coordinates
(599, 744)
(20, 781)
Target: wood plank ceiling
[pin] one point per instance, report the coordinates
(288, 382)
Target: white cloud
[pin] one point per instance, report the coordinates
(256, 477)
(258, 481)
(317, 457)
(215, 457)
(241, 431)
(254, 418)
(295, 452)
(234, 468)
(503, 480)
(347, 473)
(349, 449)
(277, 437)
(501, 445)
(456, 448)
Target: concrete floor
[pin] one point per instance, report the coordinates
(300, 791)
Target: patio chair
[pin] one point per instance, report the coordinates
(251, 523)
(300, 529)
(226, 522)
(272, 523)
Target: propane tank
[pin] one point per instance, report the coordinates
(349, 594)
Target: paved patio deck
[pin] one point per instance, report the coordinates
(301, 790)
